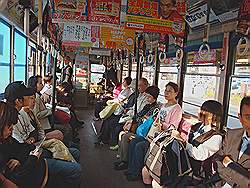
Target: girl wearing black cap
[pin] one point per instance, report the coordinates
(204, 141)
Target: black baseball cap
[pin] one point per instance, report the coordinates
(17, 90)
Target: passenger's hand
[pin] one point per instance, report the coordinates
(30, 140)
(177, 135)
(36, 152)
(226, 161)
(131, 137)
(125, 110)
(26, 109)
(12, 164)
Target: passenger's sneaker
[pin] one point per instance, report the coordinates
(114, 147)
(118, 156)
(99, 143)
(131, 177)
(116, 163)
(121, 166)
(96, 119)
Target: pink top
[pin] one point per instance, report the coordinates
(117, 91)
(170, 116)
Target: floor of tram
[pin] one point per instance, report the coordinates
(97, 163)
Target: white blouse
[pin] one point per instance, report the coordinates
(207, 148)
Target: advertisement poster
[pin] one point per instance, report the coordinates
(82, 71)
(204, 58)
(84, 35)
(198, 16)
(244, 17)
(104, 11)
(69, 10)
(161, 16)
(117, 37)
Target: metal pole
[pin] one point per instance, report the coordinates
(227, 83)
(183, 68)
(138, 39)
(157, 65)
(54, 92)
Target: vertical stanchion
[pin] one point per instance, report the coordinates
(138, 39)
(54, 92)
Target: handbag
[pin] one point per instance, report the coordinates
(144, 128)
(109, 109)
(154, 129)
(166, 159)
(58, 149)
(62, 117)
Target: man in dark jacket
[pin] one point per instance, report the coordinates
(234, 157)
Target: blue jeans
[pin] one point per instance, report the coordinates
(75, 153)
(63, 173)
(138, 148)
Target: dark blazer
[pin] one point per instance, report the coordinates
(237, 173)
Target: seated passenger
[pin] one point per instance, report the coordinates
(107, 128)
(27, 120)
(5, 183)
(152, 92)
(16, 94)
(233, 159)
(23, 167)
(46, 92)
(43, 114)
(204, 141)
(170, 115)
(123, 95)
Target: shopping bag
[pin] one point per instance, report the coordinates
(108, 110)
(58, 149)
(154, 129)
(144, 128)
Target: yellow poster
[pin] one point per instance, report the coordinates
(117, 37)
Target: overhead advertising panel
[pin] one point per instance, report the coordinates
(69, 10)
(105, 11)
(117, 37)
(198, 16)
(161, 16)
(85, 35)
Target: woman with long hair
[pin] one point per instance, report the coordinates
(16, 162)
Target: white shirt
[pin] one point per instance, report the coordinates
(207, 148)
(245, 143)
(125, 93)
(46, 93)
(23, 128)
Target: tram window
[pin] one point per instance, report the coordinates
(125, 71)
(95, 77)
(133, 74)
(148, 73)
(149, 76)
(4, 56)
(164, 78)
(202, 70)
(199, 88)
(97, 68)
(20, 56)
(240, 87)
(190, 108)
(167, 74)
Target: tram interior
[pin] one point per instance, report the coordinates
(124, 93)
